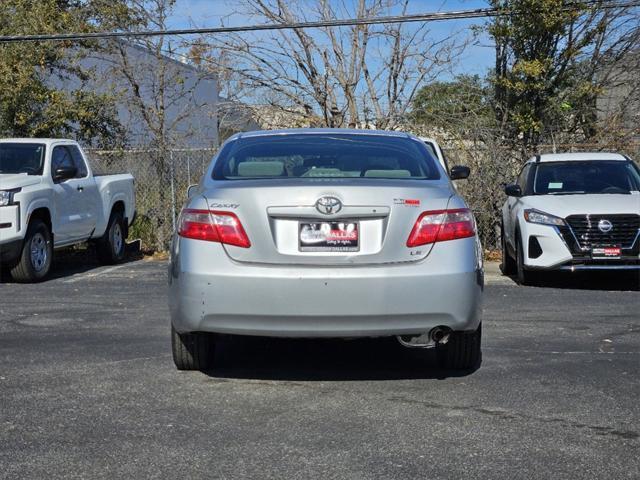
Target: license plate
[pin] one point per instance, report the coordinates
(606, 252)
(328, 237)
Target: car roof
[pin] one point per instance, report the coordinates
(577, 157)
(311, 131)
(47, 141)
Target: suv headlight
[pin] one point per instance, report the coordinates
(536, 216)
(6, 197)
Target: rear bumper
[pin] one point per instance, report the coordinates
(222, 296)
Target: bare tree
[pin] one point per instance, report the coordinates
(163, 97)
(364, 75)
(159, 87)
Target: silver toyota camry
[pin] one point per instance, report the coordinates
(326, 233)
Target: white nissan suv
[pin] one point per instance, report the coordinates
(572, 211)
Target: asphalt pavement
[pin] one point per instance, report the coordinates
(88, 390)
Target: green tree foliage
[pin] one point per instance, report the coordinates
(458, 107)
(30, 72)
(551, 56)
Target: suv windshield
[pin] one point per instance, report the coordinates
(325, 156)
(22, 158)
(599, 177)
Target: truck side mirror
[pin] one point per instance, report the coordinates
(513, 190)
(459, 172)
(64, 173)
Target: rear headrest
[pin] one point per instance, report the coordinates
(260, 169)
(388, 173)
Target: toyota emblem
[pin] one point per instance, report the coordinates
(328, 205)
(605, 226)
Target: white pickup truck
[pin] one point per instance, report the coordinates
(49, 199)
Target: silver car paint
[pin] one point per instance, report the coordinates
(272, 289)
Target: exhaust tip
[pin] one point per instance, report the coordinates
(437, 335)
(440, 335)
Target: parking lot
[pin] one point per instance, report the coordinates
(88, 390)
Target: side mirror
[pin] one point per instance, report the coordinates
(191, 190)
(64, 173)
(513, 190)
(459, 172)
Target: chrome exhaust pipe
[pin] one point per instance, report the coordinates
(437, 335)
(440, 335)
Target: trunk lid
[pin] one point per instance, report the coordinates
(273, 213)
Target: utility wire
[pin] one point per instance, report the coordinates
(419, 17)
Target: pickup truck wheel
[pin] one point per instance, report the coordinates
(192, 351)
(35, 260)
(508, 265)
(111, 246)
(462, 350)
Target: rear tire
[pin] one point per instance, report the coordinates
(37, 251)
(508, 265)
(462, 351)
(111, 247)
(192, 351)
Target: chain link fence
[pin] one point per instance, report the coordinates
(161, 181)
(162, 178)
(492, 168)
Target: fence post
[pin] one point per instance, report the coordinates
(173, 193)
(188, 168)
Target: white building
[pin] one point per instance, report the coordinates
(190, 97)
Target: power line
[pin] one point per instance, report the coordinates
(419, 17)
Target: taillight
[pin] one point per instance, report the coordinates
(212, 226)
(442, 225)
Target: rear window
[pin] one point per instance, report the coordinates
(22, 158)
(591, 177)
(325, 156)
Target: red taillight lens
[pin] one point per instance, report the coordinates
(212, 226)
(442, 225)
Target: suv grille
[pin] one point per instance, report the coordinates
(622, 234)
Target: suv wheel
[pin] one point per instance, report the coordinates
(508, 265)
(192, 351)
(35, 260)
(524, 276)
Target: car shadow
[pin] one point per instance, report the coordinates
(324, 360)
(72, 261)
(621, 281)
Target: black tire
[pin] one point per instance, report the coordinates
(462, 351)
(111, 247)
(192, 351)
(523, 276)
(508, 264)
(37, 251)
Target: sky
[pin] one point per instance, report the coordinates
(477, 58)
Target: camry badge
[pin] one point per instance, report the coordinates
(328, 205)
(605, 226)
